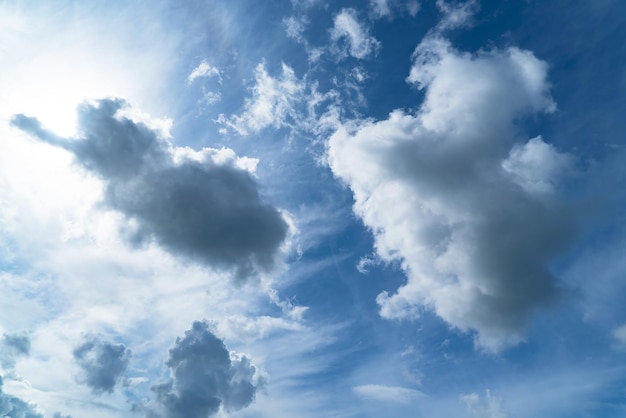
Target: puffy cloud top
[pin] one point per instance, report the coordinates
(453, 193)
(205, 377)
(204, 205)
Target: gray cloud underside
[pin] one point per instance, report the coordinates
(205, 210)
(205, 377)
(102, 363)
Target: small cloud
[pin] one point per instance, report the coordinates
(205, 378)
(456, 15)
(391, 394)
(273, 102)
(619, 337)
(204, 69)
(351, 37)
(488, 406)
(102, 363)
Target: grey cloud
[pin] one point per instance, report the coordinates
(12, 407)
(102, 363)
(201, 207)
(205, 378)
(12, 346)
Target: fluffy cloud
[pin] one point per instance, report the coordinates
(351, 37)
(205, 378)
(102, 363)
(204, 69)
(454, 194)
(202, 205)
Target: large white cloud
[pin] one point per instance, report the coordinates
(454, 193)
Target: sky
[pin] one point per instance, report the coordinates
(312, 208)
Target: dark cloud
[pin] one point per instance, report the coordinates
(12, 346)
(203, 207)
(12, 407)
(102, 363)
(205, 377)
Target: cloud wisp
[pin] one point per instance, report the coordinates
(458, 197)
(201, 205)
(205, 377)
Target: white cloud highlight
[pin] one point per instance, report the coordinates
(272, 102)
(488, 406)
(351, 37)
(204, 69)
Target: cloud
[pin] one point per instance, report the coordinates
(383, 393)
(10, 406)
(205, 378)
(457, 15)
(488, 407)
(619, 336)
(452, 192)
(350, 37)
(12, 346)
(272, 104)
(102, 363)
(204, 69)
(202, 205)
(383, 8)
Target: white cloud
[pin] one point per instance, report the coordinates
(204, 69)
(456, 15)
(272, 103)
(384, 393)
(351, 37)
(488, 407)
(432, 187)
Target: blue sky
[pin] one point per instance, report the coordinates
(305, 208)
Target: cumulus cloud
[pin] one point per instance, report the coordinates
(488, 406)
(102, 363)
(203, 205)
(351, 37)
(206, 377)
(452, 192)
(11, 347)
(393, 394)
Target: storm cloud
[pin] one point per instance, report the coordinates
(468, 206)
(102, 363)
(205, 377)
(203, 205)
